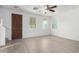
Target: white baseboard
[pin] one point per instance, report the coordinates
(65, 37)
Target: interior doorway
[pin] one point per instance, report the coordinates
(16, 26)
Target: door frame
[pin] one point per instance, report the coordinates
(11, 24)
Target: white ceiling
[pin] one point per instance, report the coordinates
(29, 8)
(59, 9)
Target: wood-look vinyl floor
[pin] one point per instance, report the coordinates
(45, 44)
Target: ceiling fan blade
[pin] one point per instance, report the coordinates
(52, 10)
(54, 6)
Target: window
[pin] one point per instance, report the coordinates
(55, 24)
(45, 24)
(32, 22)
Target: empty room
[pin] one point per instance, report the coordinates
(39, 28)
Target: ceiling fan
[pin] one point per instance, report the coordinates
(51, 7)
(46, 8)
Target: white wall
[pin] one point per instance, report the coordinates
(27, 32)
(67, 24)
(4, 14)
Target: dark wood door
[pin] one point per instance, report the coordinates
(16, 26)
